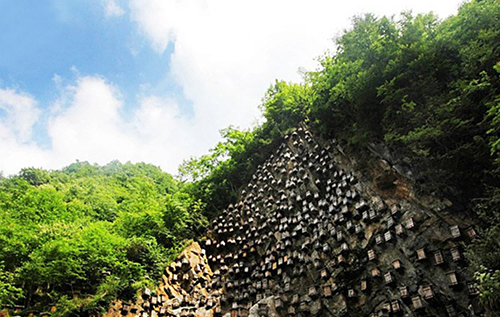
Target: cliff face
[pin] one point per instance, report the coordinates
(318, 232)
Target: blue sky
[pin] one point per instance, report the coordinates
(43, 38)
(66, 39)
(152, 80)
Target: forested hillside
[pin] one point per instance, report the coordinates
(78, 237)
(429, 90)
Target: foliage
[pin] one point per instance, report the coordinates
(413, 83)
(429, 89)
(227, 168)
(285, 105)
(9, 293)
(82, 236)
(489, 284)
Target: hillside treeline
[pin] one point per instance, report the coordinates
(80, 237)
(429, 89)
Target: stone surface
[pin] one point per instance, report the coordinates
(307, 219)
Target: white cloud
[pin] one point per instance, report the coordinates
(21, 113)
(162, 133)
(15, 155)
(111, 9)
(228, 52)
(226, 55)
(86, 124)
(18, 115)
(92, 128)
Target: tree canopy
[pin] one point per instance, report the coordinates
(428, 88)
(78, 237)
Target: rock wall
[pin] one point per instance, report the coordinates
(315, 235)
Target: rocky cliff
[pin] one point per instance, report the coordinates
(320, 232)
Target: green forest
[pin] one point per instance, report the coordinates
(80, 237)
(427, 88)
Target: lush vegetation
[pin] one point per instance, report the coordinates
(428, 89)
(79, 237)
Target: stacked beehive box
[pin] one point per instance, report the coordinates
(308, 238)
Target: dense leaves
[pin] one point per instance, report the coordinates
(79, 237)
(218, 176)
(429, 89)
(423, 86)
